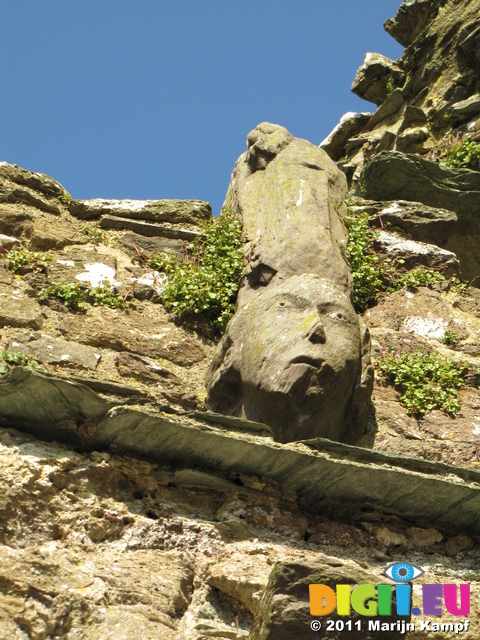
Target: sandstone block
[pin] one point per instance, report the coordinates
(376, 78)
(175, 211)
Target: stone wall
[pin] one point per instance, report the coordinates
(128, 506)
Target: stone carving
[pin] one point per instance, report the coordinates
(295, 356)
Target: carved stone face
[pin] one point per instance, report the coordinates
(302, 329)
(295, 357)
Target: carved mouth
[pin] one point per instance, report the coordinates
(303, 373)
(316, 363)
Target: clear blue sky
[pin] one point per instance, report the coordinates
(154, 98)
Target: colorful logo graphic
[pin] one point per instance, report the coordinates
(377, 600)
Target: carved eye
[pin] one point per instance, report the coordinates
(282, 305)
(339, 316)
(290, 302)
(403, 572)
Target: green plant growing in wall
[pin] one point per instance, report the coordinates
(66, 198)
(96, 235)
(390, 86)
(16, 358)
(371, 275)
(23, 259)
(206, 281)
(457, 152)
(418, 277)
(459, 285)
(72, 294)
(426, 381)
(75, 296)
(106, 296)
(450, 338)
(366, 269)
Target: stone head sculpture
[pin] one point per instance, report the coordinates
(295, 355)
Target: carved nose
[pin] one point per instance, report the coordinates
(316, 333)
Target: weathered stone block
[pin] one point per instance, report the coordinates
(175, 211)
(376, 77)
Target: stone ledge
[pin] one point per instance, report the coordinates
(175, 211)
(146, 229)
(393, 175)
(322, 473)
